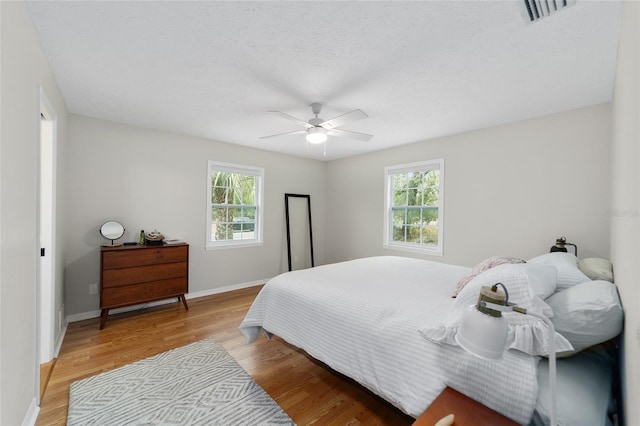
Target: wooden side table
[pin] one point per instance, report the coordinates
(466, 411)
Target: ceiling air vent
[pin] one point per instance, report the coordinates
(538, 9)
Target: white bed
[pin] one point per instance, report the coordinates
(389, 323)
(362, 318)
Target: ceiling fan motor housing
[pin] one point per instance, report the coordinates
(316, 108)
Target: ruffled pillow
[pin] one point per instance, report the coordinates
(483, 266)
(527, 333)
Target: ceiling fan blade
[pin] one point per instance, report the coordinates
(351, 135)
(292, 118)
(283, 134)
(356, 114)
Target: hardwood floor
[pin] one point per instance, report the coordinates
(45, 374)
(311, 393)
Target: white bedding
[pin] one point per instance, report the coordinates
(362, 318)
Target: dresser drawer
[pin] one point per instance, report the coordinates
(140, 293)
(143, 274)
(144, 256)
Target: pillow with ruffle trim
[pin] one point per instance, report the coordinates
(486, 264)
(527, 333)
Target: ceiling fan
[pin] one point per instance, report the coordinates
(317, 129)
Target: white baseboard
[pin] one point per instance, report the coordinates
(224, 289)
(60, 339)
(96, 314)
(32, 415)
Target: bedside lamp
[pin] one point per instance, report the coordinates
(483, 332)
(560, 246)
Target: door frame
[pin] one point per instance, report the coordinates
(46, 279)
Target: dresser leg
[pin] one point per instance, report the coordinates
(103, 318)
(184, 301)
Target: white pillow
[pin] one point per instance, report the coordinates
(543, 278)
(597, 269)
(588, 313)
(527, 333)
(489, 263)
(567, 266)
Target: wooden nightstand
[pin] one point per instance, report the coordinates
(466, 411)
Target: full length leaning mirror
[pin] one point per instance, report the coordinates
(299, 231)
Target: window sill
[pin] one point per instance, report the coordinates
(432, 251)
(232, 245)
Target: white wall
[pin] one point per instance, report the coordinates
(625, 203)
(510, 190)
(23, 68)
(149, 179)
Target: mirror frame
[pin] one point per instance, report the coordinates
(286, 209)
(111, 222)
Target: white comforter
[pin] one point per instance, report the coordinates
(362, 318)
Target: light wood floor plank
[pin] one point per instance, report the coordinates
(310, 392)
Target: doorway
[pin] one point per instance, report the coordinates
(45, 271)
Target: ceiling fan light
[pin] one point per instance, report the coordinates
(316, 135)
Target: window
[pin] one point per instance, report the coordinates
(234, 206)
(413, 206)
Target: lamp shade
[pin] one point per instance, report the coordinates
(316, 135)
(481, 334)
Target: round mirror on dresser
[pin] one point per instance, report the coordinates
(112, 230)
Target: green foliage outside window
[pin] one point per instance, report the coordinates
(415, 207)
(233, 199)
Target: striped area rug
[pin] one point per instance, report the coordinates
(197, 384)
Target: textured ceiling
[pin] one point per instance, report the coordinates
(420, 69)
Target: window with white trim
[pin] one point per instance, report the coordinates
(234, 205)
(413, 206)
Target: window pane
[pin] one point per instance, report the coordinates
(430, 233)
(413, 234)
(398, 233)
(249, 197)
(413, 197)
(220, 231)
(429, 215)
(413, 217)
(399, 216)
(249, 212)
(248, 182)
(219, 195)
(219, 214)
(399, 189)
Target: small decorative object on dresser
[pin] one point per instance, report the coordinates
(154, 238)
(131, 275)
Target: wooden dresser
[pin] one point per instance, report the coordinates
(131, 275)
